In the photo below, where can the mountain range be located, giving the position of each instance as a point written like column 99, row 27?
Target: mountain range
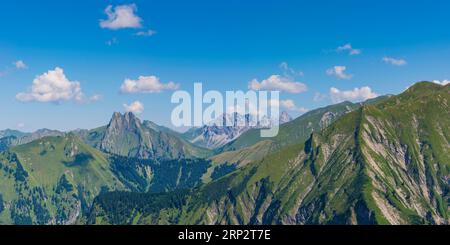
column 10, row 138
column 382, row 161
column 229, row 127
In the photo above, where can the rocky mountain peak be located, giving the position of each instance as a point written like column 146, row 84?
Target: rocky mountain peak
column 124, row 121
column 229, row 126
column 130, row 116
column 126, row 135
column 285, row 117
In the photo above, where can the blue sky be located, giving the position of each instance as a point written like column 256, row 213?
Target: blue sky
column 383, row 46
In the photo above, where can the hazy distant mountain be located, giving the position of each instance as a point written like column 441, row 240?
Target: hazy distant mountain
column 381, row 163
column 229, row 127
column 10, row 132
column 9, row 138
column 285, row 117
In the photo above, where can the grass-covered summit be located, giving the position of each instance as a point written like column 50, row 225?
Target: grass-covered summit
column 52, row 180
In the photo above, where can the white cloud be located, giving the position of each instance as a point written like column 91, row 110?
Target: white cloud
column 394, row 61
column 278, row 83
column 135, row 107
column 21, row 125
column 147, row 33
column 357, row 94
column 20, row 65
column 123, row 16
column 339, row 72
column 52, row 86
column 443, row 82
column 348, row 48
column 319, row 97
column 290, row 105
column 147, row 84
column 95, row 97
column 288, row 71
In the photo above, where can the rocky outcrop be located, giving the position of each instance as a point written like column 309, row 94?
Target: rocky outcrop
column 125, row 135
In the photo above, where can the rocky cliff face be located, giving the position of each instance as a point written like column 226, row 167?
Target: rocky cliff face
column 125, row 135
column 381, row 164
column 285, row 117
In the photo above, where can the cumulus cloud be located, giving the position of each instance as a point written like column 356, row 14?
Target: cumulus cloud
column 278, row 83
column 290, row 105
column 319, row 97
column 339, row 72
column 20, row 65
column 147, row 33
column 147, row 84
column 357, row 94
column 122, row 16
column 348, row 48
column 288, row 71
column 394, row 61
column 52, row 86
column 135, row 107
column 443, row 82
column 95, row 97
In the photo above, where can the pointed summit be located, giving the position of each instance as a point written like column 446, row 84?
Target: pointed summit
column 285, row 117
column 130, row 116
column 126, row 135
column 125, row 121
column 122, row 135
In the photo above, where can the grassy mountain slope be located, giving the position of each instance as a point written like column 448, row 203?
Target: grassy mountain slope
column 250, row 146
column 52, row 180
column 55, row 179
column 386, row 163
column 231, row 160
column 10, row 138
column 295, row 131
column 145, row 175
